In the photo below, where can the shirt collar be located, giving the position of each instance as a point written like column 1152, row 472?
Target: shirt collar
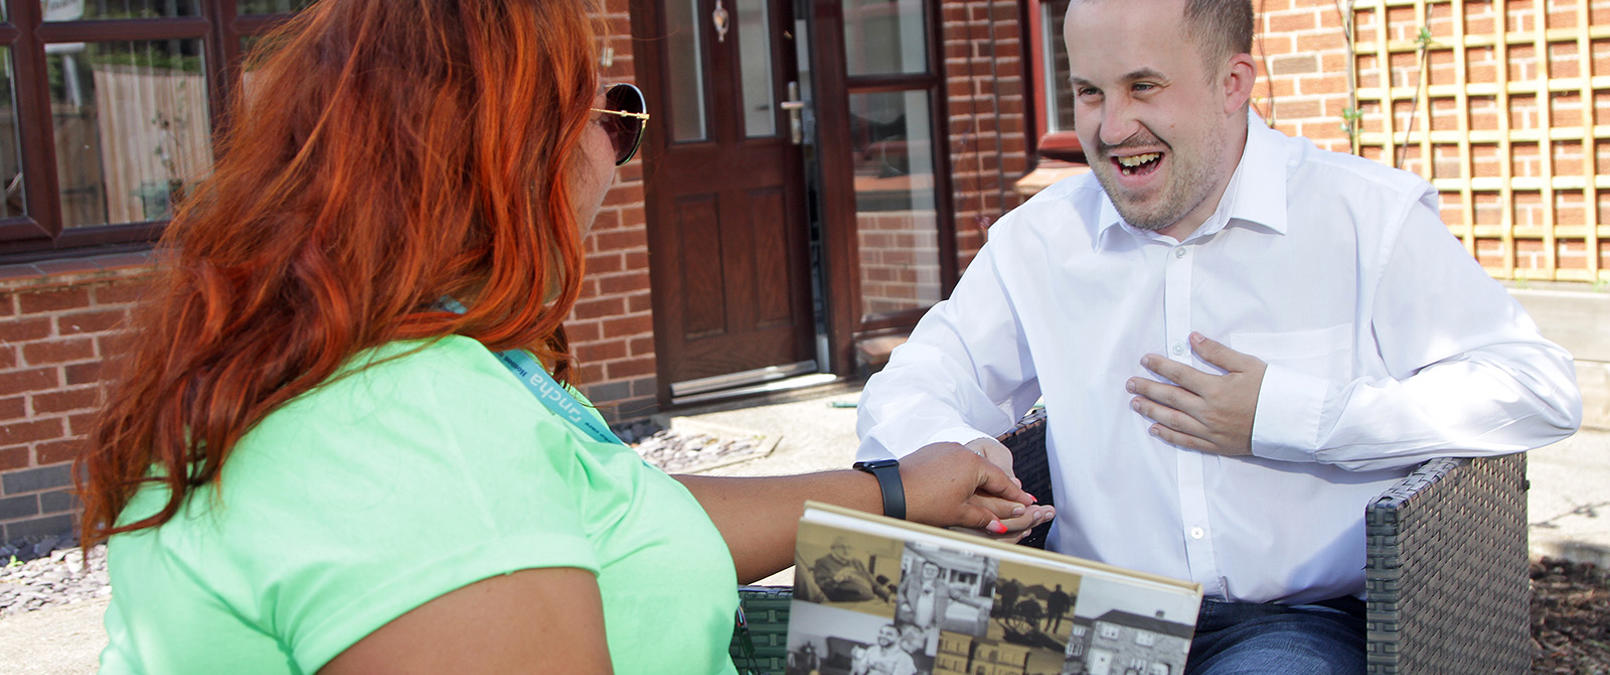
column 1255, row 196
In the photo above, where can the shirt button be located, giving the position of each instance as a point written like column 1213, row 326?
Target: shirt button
column 1179, row 252
column 1198, row 533
column 1179, row 349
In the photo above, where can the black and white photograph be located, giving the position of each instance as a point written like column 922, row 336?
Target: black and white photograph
column 945, row 591
column 1033, row 610
column 828, row 640
column 847, row 570
column 1123, row 629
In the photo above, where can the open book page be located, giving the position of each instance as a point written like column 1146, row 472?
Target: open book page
column 874, row 595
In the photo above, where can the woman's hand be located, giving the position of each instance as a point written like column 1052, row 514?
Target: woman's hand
column 949, row 485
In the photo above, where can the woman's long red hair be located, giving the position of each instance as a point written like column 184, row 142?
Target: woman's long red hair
column 389, row 152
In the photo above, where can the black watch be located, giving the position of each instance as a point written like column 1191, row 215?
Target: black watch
column 887, row 471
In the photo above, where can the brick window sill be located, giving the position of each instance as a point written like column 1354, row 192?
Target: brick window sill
column 75, row 271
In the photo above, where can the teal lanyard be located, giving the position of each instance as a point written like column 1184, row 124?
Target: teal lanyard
column 542, row 385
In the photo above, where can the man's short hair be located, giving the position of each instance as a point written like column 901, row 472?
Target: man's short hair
column 1219, row 28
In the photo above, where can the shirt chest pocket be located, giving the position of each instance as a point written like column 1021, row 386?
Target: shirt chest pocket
column 1321, row 352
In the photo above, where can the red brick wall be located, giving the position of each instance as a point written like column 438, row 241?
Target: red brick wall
column 618, row 371
column 986, row 100
column 898, row 264
column 55, row 329
column 1302, row 69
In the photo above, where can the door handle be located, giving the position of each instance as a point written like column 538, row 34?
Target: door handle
column 796, row 110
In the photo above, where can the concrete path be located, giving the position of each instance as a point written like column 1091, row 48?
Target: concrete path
column 1569, row 511
column 1569, row 503
column 60, row 640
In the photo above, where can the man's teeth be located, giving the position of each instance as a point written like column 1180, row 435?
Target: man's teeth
column 1136, row 160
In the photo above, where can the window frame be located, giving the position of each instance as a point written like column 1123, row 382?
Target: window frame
column 40, row 233
column 1046, row 144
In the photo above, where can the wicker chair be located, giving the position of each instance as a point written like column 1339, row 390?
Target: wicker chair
column 1445, row 570
column 1445, row 573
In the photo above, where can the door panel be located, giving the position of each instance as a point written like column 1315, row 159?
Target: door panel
column 727, row 229
column 770, row 248
column 699, row 229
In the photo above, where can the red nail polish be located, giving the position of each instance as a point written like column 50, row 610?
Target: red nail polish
column 997, row 527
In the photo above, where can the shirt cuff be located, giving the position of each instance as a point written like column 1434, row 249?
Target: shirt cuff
column 954, row 435
column 1286, row 423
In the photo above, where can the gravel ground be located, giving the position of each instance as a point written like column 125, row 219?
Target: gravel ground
column 1570, row 617
column 60, row 578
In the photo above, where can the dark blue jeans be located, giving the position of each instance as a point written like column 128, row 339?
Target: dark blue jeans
column 1243, row 637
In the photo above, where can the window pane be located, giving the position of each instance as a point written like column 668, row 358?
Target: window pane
column 270, row 6
column 131, row 124
column 10, row 157
column 685, row 83
column 754, row 59
column 897, row 222
column 73, row 10
column 885, row 37
column 1054, row 59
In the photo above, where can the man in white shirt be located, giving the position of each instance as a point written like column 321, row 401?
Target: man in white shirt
column 886, row 657
column 1239, row 340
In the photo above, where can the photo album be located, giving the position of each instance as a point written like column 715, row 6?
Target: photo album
column 875, row 595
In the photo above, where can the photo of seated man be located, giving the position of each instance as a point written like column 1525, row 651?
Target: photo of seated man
column 844, row 578
column 847, row 570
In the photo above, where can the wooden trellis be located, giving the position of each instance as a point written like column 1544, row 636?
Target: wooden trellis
column 1504, row 105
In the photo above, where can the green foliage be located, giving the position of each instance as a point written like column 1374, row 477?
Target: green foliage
column 1350, row 122
column 1423, row 40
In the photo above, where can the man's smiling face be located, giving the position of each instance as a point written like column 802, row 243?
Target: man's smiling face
column 1153, row 120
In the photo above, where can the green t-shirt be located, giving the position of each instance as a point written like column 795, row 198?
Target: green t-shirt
column 376, row 492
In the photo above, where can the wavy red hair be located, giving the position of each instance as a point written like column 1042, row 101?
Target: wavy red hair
column 389, row 152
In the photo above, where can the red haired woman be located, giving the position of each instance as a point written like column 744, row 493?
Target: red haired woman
column 321, row 457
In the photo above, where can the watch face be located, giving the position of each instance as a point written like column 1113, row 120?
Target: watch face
column 870, row 464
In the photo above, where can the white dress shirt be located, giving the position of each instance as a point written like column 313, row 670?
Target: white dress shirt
column 1387, row 345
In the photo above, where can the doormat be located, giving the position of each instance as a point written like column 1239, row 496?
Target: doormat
column 691, row 446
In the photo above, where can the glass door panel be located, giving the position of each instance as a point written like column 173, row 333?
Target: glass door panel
column 885, row 37
column 684, row 56
column 897, row 219
column 754, row 63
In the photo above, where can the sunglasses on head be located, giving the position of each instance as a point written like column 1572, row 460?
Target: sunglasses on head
column 624, row 120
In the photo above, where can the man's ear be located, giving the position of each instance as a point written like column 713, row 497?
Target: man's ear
column 1239, row 76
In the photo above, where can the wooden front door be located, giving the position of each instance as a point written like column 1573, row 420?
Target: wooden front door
column 727, row 224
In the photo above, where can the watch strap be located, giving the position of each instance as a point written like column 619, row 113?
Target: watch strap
column 887, row 471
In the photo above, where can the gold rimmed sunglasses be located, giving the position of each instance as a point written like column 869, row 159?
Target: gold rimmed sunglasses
column 624, row 105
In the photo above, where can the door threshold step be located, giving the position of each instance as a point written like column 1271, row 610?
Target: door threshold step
column 785, row 384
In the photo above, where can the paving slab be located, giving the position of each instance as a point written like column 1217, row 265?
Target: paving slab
column 1569, row 503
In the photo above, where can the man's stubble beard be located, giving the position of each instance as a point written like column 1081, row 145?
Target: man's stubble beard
column 1191, row 181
